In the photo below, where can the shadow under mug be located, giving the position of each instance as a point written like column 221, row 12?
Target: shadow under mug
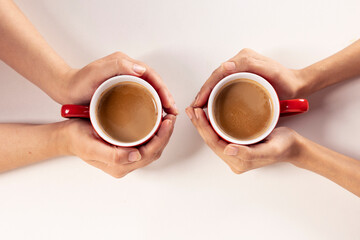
column 280, row 107
column 90, row 111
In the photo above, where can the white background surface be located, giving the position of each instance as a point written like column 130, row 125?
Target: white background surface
column 188, row 193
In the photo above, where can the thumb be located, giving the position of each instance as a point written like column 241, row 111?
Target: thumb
column 247, row 64
column 107, row 67
column 113, row 155
column 236, row 150
column 256, row 151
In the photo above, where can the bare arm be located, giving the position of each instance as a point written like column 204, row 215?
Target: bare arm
column 341, row 66
column 283, row 145
column 23, row 48
column 26, row 51
column 289, row 83
column 343, row 170
column 23, row 144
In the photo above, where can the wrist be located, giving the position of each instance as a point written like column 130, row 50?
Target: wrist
column 305, row 79
column 62, row 91
column 301, row 146
column 61, row 138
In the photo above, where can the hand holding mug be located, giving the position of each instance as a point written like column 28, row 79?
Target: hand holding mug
column 243, row 109
column 288, row 83
column 79, row 85
column 80, row 139
column 125, row 112
column 83, row 141
column 283, row 144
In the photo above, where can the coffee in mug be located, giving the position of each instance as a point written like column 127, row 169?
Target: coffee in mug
column 243, row 109
column 127, row 112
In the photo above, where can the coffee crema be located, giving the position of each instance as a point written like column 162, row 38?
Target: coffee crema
column 127, row 112
column 243, row 109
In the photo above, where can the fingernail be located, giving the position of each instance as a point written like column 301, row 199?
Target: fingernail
column 196, row 100
column 134, row 156
column 231, row 150
column 197, row 113
column 168, row 122
column 139, row 69
column 229, row 66
column 176, row 109
column 188, row 113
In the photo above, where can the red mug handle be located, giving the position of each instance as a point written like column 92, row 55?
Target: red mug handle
column 78, row 111
column 293, row 107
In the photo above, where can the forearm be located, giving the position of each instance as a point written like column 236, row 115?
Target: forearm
column 343, row 170
column 26, row 51
column 339, row 67
column 24, row 144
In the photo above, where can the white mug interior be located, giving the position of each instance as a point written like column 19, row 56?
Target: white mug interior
column 262, row 82
column 107, row 85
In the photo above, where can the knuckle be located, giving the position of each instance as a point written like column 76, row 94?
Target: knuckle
column 123, row 63
column 236, row 171
column 276, row 150
column 156, row 155
column 92, row 67
column 243, row 165
column 115, row 159
column 118, row 54
column 119, row 174
column 276, row 73
column 246, row 51
column 116, row 156
column 246, row 60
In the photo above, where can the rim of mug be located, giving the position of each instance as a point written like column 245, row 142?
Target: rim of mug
column 263, row 82
column 107, row 85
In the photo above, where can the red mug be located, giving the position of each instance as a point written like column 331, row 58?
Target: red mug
column 80, row 111
column 280, row 108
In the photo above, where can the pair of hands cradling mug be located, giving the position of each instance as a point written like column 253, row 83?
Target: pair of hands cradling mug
column 83, row 140
column 281, row 144
column 212, row 134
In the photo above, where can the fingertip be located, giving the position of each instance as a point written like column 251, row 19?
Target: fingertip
column 195, row 102
column 167, row 122
column 202, row 97
column 176, row 110
column 167, row 126
column 173, row 110
column 171, row 117
column 170, row 124
column 170, row 111
column 199, row 113
column 189, row 113
column 167, row 101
